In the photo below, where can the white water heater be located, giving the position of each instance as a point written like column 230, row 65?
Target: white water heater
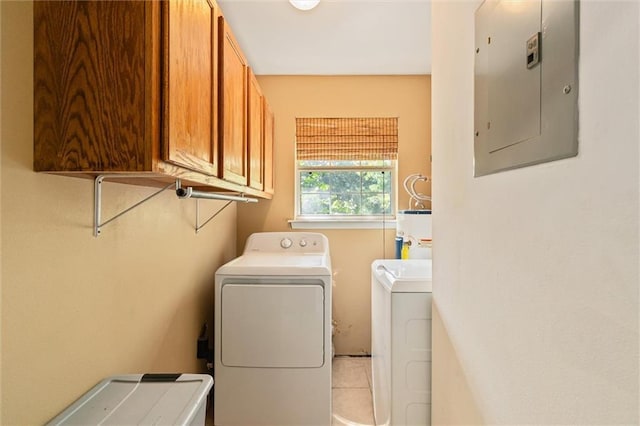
column 413, row 234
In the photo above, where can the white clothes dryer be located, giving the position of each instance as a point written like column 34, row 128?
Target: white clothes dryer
column 272, row 343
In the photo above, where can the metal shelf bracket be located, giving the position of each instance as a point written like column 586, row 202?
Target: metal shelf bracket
column 97, row 199
column 199, row 225
column 189, row 192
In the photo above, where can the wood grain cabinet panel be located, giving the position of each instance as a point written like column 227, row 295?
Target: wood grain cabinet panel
column 233, row 107
column 269, row 140
column 136, row 86
column 255, row 135
column 91, row 100
column 190, row 85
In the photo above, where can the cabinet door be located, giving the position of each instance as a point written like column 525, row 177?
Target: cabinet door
column 268, row 135
column 91, row 97
column 255, row 135
column 233, row 108
column 190, row 85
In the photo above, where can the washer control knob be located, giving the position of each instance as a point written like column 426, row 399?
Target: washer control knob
column 286, row 243
column 303, row 243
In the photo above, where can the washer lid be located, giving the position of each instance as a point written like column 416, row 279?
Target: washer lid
column 278, row 264
column 403, row 276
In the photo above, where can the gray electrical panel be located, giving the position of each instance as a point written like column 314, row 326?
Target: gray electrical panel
column 526, row 83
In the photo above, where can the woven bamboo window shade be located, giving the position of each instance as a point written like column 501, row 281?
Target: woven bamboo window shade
column 347, row 138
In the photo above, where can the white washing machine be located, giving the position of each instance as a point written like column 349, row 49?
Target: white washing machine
column 272, row 340
column 401, row 341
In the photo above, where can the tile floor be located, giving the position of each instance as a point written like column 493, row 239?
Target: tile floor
column 352, row 401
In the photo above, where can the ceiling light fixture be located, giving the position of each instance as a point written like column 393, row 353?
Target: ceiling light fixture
column 304, row 4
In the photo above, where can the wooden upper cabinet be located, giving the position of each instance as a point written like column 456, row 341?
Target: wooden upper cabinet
column 268, row 138
column 190, row 81
column 233, row 108
column 157, row 88
column 255, row 132
column 92, row 105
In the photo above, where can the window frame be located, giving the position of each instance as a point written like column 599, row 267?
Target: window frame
column 346, row 220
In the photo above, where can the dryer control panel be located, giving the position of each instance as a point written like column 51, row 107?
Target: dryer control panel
column 287, row 242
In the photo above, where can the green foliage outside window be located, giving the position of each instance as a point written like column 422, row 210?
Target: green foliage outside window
column 345, row 188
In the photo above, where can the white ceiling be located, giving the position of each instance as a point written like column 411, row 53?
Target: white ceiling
column 338, row 37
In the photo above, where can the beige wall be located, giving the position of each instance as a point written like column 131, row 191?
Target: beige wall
column 352, row 251
column 75, row 308
column 1, row 66
column 536, row 278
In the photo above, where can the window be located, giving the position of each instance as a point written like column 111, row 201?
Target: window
column 345, row 188
column 345, row 168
